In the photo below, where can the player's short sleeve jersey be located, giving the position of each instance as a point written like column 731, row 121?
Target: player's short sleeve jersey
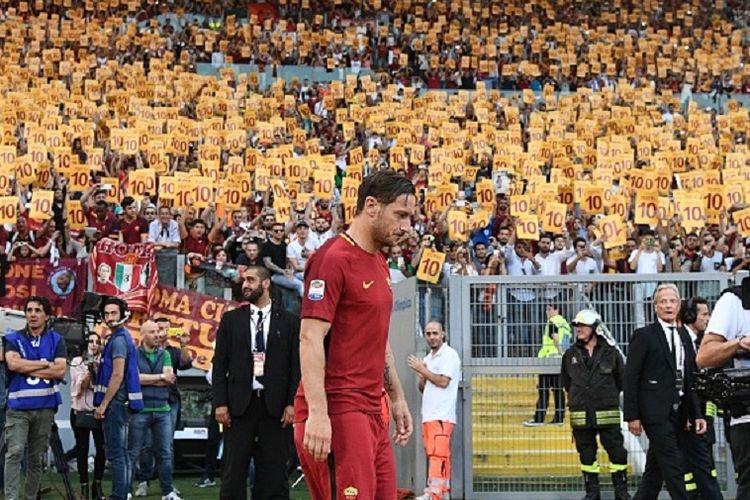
column 351, row 289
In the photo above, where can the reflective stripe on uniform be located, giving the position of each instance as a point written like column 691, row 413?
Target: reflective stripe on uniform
column 617, row 467
column 607, row 417
column 33, row 393
column 134, row 396
column 689, row 482
column 591, row 469
column 710, row 409
column 578, row 418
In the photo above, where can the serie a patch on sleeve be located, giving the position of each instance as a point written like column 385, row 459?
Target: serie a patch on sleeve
column 317, row 290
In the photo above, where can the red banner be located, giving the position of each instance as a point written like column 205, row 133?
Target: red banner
column 63, row 284
column 125, row 271
column 196, row 314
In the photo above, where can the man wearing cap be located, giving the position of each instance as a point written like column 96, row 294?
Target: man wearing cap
column 300, row 249
column 592, row 374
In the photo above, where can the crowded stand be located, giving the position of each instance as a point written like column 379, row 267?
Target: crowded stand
column 108, row 116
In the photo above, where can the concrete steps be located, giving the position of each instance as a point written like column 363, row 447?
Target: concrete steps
column 503, row 447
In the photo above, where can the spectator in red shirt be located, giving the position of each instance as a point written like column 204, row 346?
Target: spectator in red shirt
column 103, row 220
column 132, row 228
column 196, row 245
column 22, row 232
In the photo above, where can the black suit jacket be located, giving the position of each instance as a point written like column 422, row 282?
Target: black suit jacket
column 232, row 366
column 650, row 392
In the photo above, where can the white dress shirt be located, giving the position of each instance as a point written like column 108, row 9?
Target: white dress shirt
column 674, row 343
column 266, row 311
column 163, row 233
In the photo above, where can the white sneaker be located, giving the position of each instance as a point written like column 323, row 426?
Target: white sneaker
column 532, row 423
column 142, row 489
column 172, row 496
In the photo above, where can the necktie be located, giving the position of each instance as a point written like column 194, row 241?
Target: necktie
column 260, row 342
column 164, row 231
column 673, row 345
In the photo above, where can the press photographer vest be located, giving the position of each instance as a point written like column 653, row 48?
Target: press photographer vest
column 106, row 367
column 33, row 393
column 153, row 396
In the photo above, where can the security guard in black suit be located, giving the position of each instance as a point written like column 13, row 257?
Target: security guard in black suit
column 592, row 374
column 658, row 398
column 700, row 481
column 255, row 377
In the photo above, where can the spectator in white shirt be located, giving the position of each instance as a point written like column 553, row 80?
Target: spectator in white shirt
column 647, row 259
column 322, row 230
column 582, row 262
column 164, row 231
column 709, row 260
column 299, row 250
column 550, row 262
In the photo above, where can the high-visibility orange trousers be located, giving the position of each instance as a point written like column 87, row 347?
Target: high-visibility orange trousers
column 436, row 435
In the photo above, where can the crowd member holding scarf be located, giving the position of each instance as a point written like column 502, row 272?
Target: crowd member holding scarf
column 35, row 359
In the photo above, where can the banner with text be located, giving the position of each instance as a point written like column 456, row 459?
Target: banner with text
column 62, row 283
column 125, row 271
column 196, row 314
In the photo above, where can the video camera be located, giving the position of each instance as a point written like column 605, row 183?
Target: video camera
column 728, row 388
column 76, row 330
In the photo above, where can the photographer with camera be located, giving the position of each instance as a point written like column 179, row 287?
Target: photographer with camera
column 35, row 359
column 727, row 339
column 82, row 375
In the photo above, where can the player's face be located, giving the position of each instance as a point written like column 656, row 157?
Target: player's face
column 394, row 220
column 667, row 305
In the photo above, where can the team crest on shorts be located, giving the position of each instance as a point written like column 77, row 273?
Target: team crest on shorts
column 317, row 290
column 350, row 493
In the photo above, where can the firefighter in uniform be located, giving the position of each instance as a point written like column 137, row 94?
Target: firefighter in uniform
column 592, row 373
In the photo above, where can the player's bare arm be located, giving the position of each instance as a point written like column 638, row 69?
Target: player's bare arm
column 317, row 440
column 399, row 407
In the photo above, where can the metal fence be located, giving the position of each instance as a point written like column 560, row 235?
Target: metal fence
column 496, row 324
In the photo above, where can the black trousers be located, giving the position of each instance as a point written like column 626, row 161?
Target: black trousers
column 82, row 451
column 547, row 383
column 700, row 463
column 212, row 449
column 664, row 463
column 259, row 436
column 611, row 438
column 740, row 444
